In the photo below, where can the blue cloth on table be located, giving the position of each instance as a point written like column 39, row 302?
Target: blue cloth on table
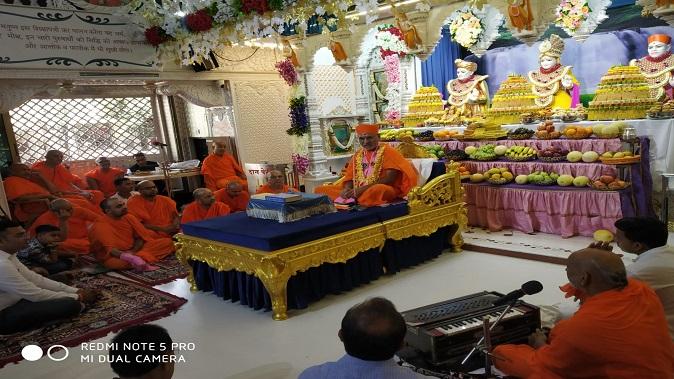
column 310, row 205
column 411, row 251
column 269, row 235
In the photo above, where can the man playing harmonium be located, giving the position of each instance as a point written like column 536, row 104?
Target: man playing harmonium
column 377, row 173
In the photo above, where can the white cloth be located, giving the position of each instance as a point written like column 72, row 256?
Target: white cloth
column 424, row 166
column 655, row 267
column 124, row 199
column 18, row 282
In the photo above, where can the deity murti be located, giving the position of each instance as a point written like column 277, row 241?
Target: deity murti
column 657, row 67
column 553, row 84
column 468, row 94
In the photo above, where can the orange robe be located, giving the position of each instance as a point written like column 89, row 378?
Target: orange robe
column 78, row 228
column 615, row 334
column 195, row 212
column 108, row 233
column 218, row 171
column 379, row 194
column 64, row 180
column 105, row 179
column 161, row 212
column 236, row 204
column 265, row 188
column 16, row 187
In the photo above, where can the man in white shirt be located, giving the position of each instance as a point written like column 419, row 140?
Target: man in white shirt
column 27, row 299
column 125, row 190
column 647, row 238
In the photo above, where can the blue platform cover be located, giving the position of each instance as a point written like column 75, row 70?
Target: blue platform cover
column 268, row 235
column 310, row 205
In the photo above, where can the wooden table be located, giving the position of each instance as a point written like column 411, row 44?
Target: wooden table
column 158, row 175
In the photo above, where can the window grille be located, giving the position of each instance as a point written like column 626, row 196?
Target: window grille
column 84, row 129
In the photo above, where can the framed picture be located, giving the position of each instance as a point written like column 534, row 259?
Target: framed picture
column 379, row 84
column 220, row 121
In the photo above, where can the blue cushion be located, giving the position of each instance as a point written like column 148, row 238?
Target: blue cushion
column 391, row 211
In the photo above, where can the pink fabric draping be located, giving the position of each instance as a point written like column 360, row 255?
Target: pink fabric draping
column 598, row 145
column 591, row 170
column 562, row 212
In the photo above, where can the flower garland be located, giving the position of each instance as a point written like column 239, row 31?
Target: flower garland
column 287, row 71
column 392, row 69
column 299, row 119
column 391, row 41
column 301, row 163
column 571, row 14
column 466, row 28
column 361, row 179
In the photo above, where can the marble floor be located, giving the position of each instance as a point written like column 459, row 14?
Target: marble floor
column 232, row 341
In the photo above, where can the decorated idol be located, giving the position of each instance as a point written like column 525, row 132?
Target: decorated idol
column 468, row 93
column 657, row 67
column 553, row 84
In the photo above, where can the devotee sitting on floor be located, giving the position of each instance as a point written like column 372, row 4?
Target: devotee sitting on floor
column 157, row 213
column 124, row 188
column 73, row 223
column 41, row 253
column 204, row 206
column 647, row 238
column 30, row 194
column 220, row 168
column 620, row 330
column 142, row 352
column 372, row 332
column 275, row 183
column 377, row 174
column 142, row 164
column 29, row 300
column 103, row 177
column 120, row 242
column 54, row 173
column 233, row 196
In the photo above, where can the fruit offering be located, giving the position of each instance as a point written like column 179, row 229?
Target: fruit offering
column 464, row 173
column 553, row 154
column 520, row 133
column 455, row 154
column 520, row 153
column 483, row 153
column 444, row 134
column 608, row 183
column 616, row 154
column 499, row 175
column 613, row 130
column 423, row 135
column 542, row 178
column 477, row 178
column 436, row 151
column 590, row 156
column 577, row 132
column 388, row 134
column 546, row 130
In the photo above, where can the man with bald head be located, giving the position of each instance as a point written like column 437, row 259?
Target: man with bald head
column 234, row 196
column 157, row 213
column 58, row 177
column 275, row 183
column 73, row 222
column 221, row 168
column 619, row 331
column 204, row 206
column 120, row 242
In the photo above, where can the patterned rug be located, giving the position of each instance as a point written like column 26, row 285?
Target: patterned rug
column 169, row 269
column 123, row 303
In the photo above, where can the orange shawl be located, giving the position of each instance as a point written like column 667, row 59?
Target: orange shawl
column 195, row 212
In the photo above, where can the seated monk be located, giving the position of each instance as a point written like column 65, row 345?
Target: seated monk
column 377, row 174
column 120, row 242
column 204, row 206
column 619, row 331
column 220, row 168
column 156, row 212
column 30, row 194
column 234, row 196
column 54, row 173
column 73, row 223
column 103, row 177
column 275, row 184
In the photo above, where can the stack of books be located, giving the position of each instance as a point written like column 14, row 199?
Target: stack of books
column 285, row 197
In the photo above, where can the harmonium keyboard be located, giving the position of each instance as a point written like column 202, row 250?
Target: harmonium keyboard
column 444, row 333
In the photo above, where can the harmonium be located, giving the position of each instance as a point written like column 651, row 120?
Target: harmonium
column 441, row 335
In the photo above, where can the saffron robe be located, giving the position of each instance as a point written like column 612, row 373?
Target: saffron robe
column 615, row 334
column 64, row 181
column 379, row 194
column 160, row 212
column 236, row 204
column 195, row 212
column 78, row 228
column 105, row 179
column 109, row 233
column 219, row 171
column 265, row 188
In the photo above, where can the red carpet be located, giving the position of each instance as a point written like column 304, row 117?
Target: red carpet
column 169, row 269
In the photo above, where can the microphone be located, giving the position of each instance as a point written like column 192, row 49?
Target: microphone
column 529, row 288
column 157, row 143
